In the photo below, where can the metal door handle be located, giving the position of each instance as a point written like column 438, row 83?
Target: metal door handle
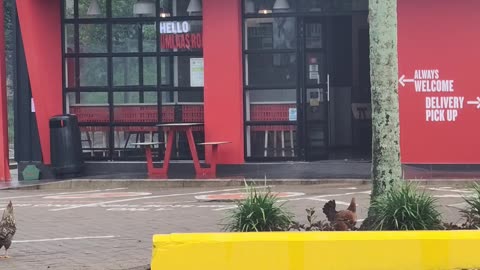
column 328, row 87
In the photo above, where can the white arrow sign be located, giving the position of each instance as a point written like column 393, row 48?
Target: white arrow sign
column 402, row 80
column 475, row 102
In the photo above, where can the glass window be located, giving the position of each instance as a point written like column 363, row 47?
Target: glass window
column 165, row 70
column 150, row 97
column 89, row 107
column 69, row 38
column 188, row 71
column 270, row 33
column 125, row 37
column 149, row 35
column 190, row 96
column 271, row 141
column 169, row 8
column 87, row 98
column 132, row 107
column 150, row 71
column 93, row 71
column 125, row 62
column 168, row 97
column 68, row 9
column 93, row 38
column 271, row 69
column 133, row 8
column 125, row 71
column 269, row 6
column 70, row 74
column 271, row 105
column 92, row 8
column 126, row 136
column 314, row 35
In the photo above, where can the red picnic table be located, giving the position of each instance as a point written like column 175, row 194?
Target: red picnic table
column 172, row 129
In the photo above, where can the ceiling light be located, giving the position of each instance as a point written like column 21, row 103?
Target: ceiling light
column 164, row 13
column 94, row 9
column 144, row 7
column 264, row 8
column 264, row 11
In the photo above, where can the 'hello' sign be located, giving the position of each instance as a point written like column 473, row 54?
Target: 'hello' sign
column 174, row 27
column 177, row 35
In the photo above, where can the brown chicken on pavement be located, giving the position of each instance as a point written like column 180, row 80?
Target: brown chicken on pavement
column 7, row 229
column 343, row 220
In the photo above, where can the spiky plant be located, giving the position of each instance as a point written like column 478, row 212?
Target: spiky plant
column 472, row 212
column 404, row 207
column 259, row 212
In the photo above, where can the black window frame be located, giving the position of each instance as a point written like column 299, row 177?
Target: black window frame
column 300, row 15
column 110, row 89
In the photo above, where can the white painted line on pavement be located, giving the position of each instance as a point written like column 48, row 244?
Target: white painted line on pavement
column 111, row 189
column 458, row 205
column 64, row 239
column 145, row 198
column 342, row 194
column 326, row 200
column 98, row 195
column 61, row 193
column 452, row 196
column 225, row 208
column 451, row 190
column 348, row 188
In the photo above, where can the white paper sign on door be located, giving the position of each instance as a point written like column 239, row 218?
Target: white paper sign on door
column 196, row 72
column 292, row 114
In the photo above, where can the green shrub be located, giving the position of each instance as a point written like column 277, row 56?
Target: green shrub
column 405, row 208
column 472, row 212
column 259, row 212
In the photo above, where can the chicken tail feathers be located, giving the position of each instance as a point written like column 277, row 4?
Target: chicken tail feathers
column 329, row 210
column 353, row 206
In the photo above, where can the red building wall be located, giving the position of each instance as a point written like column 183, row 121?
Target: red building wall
column 40, row 25
column 439, row 49
column 223, row 94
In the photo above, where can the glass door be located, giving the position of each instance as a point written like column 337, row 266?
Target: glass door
column 314, row 88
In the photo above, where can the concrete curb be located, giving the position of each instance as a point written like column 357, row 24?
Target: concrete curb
column 213, row 183
column 180, row 183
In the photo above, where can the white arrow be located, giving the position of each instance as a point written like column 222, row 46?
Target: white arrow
column 475, row 102
column 402, row 80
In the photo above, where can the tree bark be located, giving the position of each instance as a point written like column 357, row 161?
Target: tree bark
column 386, row 166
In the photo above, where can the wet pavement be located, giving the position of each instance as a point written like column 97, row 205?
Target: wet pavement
column 113, row 228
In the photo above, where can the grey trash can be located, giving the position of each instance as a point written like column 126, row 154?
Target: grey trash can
column 66, row 145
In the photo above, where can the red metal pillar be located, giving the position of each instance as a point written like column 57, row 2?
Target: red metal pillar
column 223, row 95
column 4, row 149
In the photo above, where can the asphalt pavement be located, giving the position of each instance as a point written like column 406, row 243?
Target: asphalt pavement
column 113, row 228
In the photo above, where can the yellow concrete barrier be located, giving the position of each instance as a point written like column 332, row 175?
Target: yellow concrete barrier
column 318, row 250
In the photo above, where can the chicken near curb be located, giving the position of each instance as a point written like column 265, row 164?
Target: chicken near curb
column 343, row 220
column 7, row 229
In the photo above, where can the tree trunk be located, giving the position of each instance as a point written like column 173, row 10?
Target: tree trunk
column 386, row 166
